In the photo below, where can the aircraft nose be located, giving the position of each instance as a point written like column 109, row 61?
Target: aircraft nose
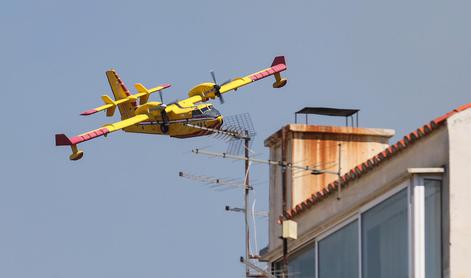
column 218, row 122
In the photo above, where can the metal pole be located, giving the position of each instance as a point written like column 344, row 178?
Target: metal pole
column 246, row 205
column 313, row 170
column 339, row 173
column 249, row 264
column 284, row 145
column 285, row 240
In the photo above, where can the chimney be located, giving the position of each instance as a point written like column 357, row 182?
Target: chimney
column 317, row 146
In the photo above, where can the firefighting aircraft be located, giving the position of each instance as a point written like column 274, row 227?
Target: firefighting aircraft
column 169, row 119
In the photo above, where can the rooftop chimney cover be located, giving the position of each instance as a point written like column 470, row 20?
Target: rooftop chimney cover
column 328, row 111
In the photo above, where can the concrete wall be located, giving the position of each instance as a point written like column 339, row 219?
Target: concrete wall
column 459, row 126
column 429, row 152
column 449, row 147
column 315, row 146
column 319, row 146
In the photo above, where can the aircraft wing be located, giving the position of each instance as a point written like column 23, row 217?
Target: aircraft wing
column 63, row 140
column 277, row 66
column 205, row 91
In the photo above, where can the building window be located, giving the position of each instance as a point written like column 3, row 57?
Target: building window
column 433, row 235
column 384, row 238
column 277, row 268
column 338, row 253
column 398, row 235
column 302, row 264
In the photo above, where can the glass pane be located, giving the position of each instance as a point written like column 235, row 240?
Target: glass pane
column 302, row 264
column 384, row 239
column 433, row 235
column 338, row 253
column 277, row 267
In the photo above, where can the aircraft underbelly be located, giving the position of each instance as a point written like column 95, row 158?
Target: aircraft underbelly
column 147, row 129
column 177, row 130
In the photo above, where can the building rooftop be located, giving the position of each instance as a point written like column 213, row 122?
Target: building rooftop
column 371, row 163
column 320, row 129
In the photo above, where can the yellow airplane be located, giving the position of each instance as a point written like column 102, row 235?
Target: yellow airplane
column 169, row 119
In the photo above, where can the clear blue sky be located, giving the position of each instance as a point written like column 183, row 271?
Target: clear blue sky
column 122, row 211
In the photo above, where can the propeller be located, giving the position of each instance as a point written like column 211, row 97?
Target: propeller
column 217, row 87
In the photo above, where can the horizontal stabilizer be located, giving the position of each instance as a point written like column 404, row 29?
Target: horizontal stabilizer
column 143, row 93
column 142, row 89
column 89, row 112
column 110, row 107
column 161, row 87
column 110, row 104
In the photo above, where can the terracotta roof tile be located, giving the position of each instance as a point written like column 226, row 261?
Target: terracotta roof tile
column 364, row 167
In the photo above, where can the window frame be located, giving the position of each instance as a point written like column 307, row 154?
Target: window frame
column 415, row 214
column 357, row 215
column 418, row 255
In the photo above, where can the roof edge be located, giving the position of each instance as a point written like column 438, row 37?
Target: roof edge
column 371, row 163
column 303, row 128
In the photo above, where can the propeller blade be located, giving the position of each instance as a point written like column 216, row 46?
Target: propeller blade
column 213, row 75
column 217, row 87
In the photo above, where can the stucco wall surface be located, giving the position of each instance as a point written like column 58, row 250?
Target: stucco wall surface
column 459, row 126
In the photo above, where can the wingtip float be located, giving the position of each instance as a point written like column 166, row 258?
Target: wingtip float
column 166, row 119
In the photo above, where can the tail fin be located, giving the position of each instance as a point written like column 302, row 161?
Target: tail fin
column 120, row 91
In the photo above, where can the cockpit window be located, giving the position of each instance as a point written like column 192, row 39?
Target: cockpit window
column 196, row 112
column 206, row 111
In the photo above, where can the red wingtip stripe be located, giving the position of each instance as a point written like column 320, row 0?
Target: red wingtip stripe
column 63, row 140
column 88, row 112
column 268, row 72
column 89, row 135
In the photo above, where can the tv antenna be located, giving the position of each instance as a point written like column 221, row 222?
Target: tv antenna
column 238, row 131
column 284, row 165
